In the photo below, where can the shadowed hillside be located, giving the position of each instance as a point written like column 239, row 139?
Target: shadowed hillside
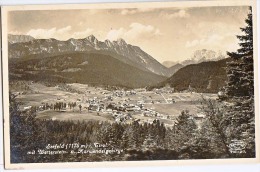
column 85, row 68
column 203, row 77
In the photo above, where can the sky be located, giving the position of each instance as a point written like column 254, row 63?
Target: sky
column 167, row 34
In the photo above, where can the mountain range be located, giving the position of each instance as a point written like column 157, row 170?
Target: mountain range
column 19, row 38
column 127, row 53
column 114, row 63
column 203, row 56
column 198, row 56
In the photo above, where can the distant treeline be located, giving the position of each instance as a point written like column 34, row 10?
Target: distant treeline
column 57, row 106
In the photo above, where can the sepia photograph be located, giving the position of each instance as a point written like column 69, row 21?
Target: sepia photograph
column 119, row 82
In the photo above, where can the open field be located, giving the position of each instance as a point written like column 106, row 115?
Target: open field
column 74, row 116
column 130, row 105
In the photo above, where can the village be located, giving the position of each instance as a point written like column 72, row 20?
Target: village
column 79, row 101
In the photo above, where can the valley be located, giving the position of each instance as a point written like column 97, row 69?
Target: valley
column 99, row 104
column 90, row 80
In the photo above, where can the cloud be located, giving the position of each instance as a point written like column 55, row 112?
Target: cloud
column 50, row 33
column 210, row 40
column 136, row 31
column 116, row 33
column 192, row 43
column 135, row 10
column 64, row 30
column 215, row 35
column 82, row 34
column 61, row 34
column 180, row 14
column 15, row 32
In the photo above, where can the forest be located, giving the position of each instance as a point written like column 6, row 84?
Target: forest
column 137, row 141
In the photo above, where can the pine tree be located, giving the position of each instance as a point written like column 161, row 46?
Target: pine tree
column 133, row 136
column 240, row 88
column 240, row 70
column 184, row 130
column 149, row 142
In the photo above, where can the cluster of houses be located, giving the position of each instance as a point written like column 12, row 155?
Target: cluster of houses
column 122, row 111
column 122, row 93
column 164, row 90
column 155, row 114
column 118, row 104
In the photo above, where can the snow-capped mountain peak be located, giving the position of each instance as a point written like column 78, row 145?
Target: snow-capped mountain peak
column 203, row 56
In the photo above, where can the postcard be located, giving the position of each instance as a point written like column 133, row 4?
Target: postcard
column 130, row 84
